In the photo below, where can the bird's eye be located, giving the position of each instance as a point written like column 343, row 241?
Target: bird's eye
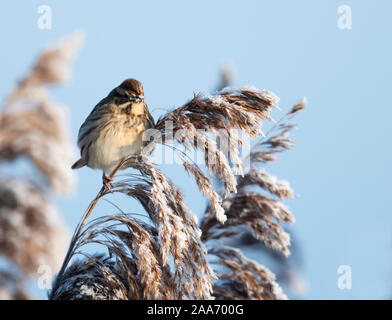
column 124, row 99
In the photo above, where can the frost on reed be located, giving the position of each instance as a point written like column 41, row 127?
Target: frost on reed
column 260, row 213
column 164, row 255
column 95, row 278
column 137, row 271
column 34, row 128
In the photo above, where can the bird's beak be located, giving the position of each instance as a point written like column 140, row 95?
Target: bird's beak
column 139, row 98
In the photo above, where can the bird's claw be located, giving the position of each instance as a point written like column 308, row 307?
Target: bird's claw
column 107, row 182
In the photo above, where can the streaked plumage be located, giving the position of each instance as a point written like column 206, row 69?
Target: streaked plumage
column 114, row 129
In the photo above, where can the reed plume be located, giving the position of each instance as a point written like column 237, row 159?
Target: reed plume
column 253, row 213
column 246, row 279
column 225, row 112
column 171, row 231
column 34, row 127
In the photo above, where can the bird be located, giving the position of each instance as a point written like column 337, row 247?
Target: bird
column 114, row 129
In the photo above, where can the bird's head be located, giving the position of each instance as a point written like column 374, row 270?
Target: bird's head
column 130, row 90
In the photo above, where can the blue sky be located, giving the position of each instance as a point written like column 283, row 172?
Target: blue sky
column 340, row 167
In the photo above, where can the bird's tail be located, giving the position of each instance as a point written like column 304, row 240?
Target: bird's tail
column 78, row 164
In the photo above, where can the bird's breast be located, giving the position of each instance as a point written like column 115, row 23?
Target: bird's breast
column 123, row 131
column 120, row 137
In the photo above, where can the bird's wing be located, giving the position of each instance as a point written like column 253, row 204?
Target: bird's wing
column 89, row 130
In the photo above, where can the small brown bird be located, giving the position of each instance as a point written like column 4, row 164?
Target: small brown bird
column 113, row 130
